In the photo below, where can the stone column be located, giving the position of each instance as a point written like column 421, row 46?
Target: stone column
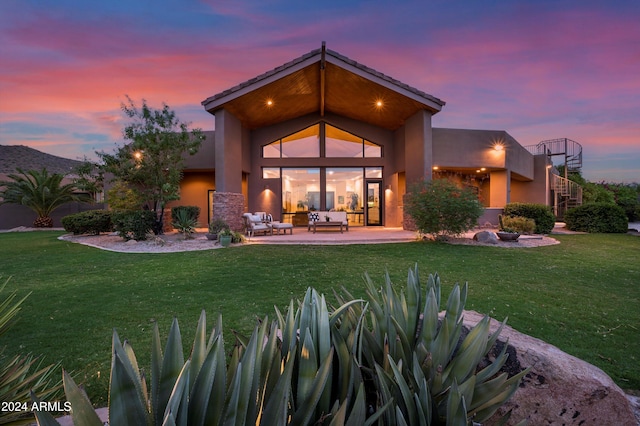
column 229, row 207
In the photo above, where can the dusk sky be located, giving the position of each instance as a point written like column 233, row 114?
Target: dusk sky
column 539, row 69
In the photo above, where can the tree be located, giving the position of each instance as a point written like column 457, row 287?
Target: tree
column 89, row 177
column 152, row 162
column 41, row 192
column 441, row 208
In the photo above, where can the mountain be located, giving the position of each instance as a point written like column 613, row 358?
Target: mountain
column 13, row 157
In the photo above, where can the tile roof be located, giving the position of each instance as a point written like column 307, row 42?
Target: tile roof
column 339, row 57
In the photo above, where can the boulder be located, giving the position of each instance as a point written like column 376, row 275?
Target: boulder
column 560, row 389
column 486, row 237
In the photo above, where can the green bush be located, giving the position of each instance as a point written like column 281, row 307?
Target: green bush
column 522, row 225
column 597, row 218
column 122, row 197
column 217, row 225
column 91, row 222
column 441, row 208
column 388, row 360
column 134, row 225
column 191, row 211
column 541, row 214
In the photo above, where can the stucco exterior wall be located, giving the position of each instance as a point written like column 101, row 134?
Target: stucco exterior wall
column 460, row 148
column 535, row 191
column 228, row 152
column 418, row 145
column 194, row 191
column 205, row 158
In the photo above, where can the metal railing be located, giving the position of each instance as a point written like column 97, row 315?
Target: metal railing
column 568, row 194
column 571, row 149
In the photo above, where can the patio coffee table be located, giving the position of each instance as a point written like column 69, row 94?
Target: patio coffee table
column 330, row 224
column 284, row 226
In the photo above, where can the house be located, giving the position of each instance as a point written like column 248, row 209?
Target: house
column 326, row 132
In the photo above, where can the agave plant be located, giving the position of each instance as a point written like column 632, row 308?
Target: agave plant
column 185, row 223
column 389, row 360
column 420, row 362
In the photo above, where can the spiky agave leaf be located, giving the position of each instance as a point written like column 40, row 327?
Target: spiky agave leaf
column 305, row 412
column 127, row 402
column 209, row 387
column 167, row 367
column 275, row 411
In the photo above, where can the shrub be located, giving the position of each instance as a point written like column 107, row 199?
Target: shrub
column 597, row 218
column 217, row 225
column 134, row 225
column 191, row 211
column 388, row 360
column 89, row 222
column 122, row 197
column 441, row 208
column 522, row 225
column 542, row 215
column 237, row 237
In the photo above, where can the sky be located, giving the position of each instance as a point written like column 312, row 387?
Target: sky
column 540, row 69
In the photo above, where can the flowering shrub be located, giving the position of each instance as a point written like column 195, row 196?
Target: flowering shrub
column 442, row 208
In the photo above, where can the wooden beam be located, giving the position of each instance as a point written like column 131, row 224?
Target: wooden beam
column 322, row 77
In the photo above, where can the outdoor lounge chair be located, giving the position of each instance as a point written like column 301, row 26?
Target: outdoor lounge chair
column 253, row 223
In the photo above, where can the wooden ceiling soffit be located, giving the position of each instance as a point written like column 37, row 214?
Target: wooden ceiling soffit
column 354, row 96
column 291, row 96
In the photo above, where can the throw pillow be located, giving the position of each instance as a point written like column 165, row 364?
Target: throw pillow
column 314, row 217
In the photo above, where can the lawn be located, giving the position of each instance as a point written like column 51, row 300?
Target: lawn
column 582, row 295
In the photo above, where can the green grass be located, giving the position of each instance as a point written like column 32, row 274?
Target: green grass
column 582, row 295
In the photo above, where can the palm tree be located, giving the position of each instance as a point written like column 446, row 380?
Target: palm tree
column 41, row 192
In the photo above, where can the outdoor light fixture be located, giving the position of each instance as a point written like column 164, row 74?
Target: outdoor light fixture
column 435, row 167
column 269, row 102
column 498, row 146
column 138, row 155
column 266, row 186
column 388, row 188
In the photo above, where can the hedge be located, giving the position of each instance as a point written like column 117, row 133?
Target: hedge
column 597, row 218
column 541, row 214
column 88, row 222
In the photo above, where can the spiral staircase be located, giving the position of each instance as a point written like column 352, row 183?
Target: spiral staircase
column 565, row 193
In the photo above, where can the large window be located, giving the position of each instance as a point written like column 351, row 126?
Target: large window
column 305, row 143
column 344, row 188
column 337, row 144
column 300, row 189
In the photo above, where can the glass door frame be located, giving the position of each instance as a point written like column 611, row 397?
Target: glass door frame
column 380, row 195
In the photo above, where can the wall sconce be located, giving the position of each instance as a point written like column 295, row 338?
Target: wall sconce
column 388, row 188
column 266, row 186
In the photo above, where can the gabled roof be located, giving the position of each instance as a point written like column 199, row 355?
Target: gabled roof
column 323, row 81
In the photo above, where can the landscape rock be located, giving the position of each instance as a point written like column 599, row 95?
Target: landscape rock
column 560, row 389
column 486, row 237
